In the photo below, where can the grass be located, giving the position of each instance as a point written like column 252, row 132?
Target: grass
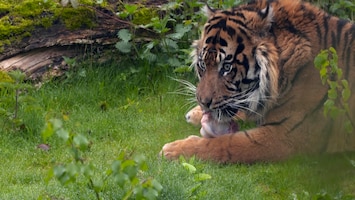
column 118, row 109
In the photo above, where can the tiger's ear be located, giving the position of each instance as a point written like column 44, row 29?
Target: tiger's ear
column 208, row 10
column 265, row 20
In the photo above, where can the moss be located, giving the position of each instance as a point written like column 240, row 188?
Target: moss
column 18, row 18
column 80, row 17
column 5, row 78
column 4, row 8
column 144, row 15
column 33, row 8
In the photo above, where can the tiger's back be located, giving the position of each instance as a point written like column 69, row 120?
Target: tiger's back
column 258, row 58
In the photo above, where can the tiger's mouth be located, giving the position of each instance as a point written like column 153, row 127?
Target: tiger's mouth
column 212, row 127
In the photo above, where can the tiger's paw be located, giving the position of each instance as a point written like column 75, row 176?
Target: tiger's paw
column 194, row 116
column 185, row 147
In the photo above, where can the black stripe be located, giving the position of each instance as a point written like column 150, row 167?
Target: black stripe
column 319, row 33
column 244, row 33
column 349, row 51
column 241, row 15
column 227, row 12
column 276, row 123
column 223, row 42
column 230, row 31
column 214, row 18
column 248, row 81
column 220, row 24
column 333, row 39
column 239, row 22
column 326, row 30
column 345, row 44
column 239, row 49
column 244, row 62
column 340, row 25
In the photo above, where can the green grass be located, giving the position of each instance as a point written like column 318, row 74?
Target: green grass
column 138, row 117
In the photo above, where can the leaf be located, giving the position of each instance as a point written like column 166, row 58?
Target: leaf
column 174, row 62
column 346, row 93
column 124, row 35
column 47, row 131
column 74, row 3
column 120, row 179
column 348, row 126
column 116, row 166
column 352, row 162
column 124, row 47
column 320, row 60
column 202, row 177
column 169, row 43
column 81, row 142
column 130, row 8
column 157, row 186
column 63, row 134
column 180, row 31
column 56, row 123
column 189, row 167
column 332, row 94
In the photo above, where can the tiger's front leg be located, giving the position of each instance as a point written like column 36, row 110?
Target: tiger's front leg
column 255, row 145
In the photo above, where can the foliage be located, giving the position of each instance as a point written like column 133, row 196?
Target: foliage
column 341, row 8
column 14, row 97
column 124, row 172
column 339, row 92
column 195, row 191
column 169, row 35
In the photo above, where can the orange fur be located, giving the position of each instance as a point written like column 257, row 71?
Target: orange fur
column 258, row 58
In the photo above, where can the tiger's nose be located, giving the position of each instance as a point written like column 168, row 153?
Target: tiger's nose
column 206, row 102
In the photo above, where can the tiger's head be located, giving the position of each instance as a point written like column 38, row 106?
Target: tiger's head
column 236, row 62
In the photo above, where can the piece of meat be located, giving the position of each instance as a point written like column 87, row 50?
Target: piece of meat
column 214, row 128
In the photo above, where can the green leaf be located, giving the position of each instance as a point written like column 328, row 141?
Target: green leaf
column 332, row 94
column 202, row 177
column 348, row 126
column 189, row 167
column 130, row 8
column 17, row 75
column 98, row 185
column 124, row 35
column 346, row 93
column 63, row 134
column 116, row 166
column 320, row 60
column 81, row 142
column 174, row 62
column 74, row 3
column 47, row 131
column 180, row 31
column 352, row 162
column 56, row 123
column 124, row 47
column 157, row 185
column 121, row 179
column 169, row 43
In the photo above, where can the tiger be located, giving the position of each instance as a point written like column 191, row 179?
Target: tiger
column 258, row 59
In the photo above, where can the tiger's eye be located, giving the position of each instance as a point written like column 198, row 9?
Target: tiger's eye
column 201, row 65
column 227, row 67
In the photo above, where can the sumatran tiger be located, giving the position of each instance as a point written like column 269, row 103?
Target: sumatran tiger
column 257, row 60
